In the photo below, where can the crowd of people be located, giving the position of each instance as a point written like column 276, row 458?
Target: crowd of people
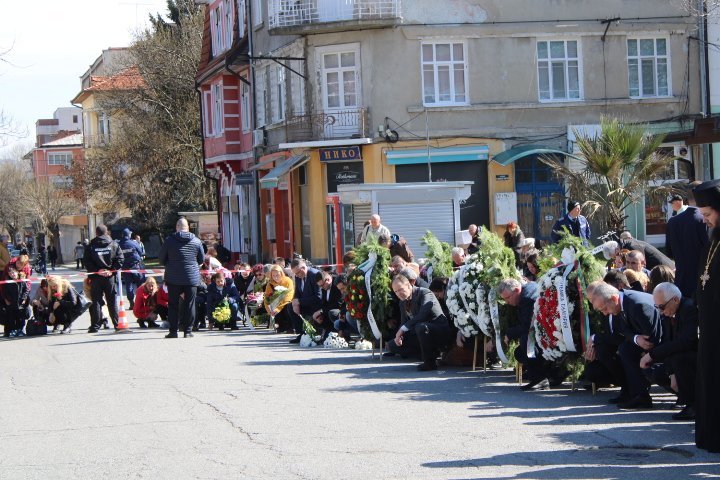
column 652, row 304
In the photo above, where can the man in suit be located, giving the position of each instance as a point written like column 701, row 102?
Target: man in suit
column 675, row 358
column 685, row 238
column 603, row 363
column 575, row 223
column 307, row 295
column 653, row 256
column 331, row 303
column 415, row 279
column 541, row 373
column 423, row 326
column 641, row 325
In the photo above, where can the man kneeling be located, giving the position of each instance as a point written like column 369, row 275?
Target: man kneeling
column 424, row 328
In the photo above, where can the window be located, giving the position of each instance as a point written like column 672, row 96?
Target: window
column 207, row 113
column 103, row 127
column 229, row 17
column 216, row 30
column 241, row 18
column 260, row 98
column 278, row 93
column 341, row 78
column 558, row 70
column 245, row 107
column 60, row 158
column 444, row 74
column 257, row 13
column 75, row 119
column 60, row 181
column 648, row 67
column 217, row 101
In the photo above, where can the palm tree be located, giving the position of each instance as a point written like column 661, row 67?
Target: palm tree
column 615, row 169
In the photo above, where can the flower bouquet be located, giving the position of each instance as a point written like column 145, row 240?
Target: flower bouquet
column 222, row 313
column 335, row 341
column 562, row 321
column 439, row 257
column 461, row 297
column 279, row 292
column 253, row 303
column 363, row 345
column 310, row 338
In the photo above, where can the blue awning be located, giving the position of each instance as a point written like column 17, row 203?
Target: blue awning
column 516, row 153
column 438, row 155
column 272, row 179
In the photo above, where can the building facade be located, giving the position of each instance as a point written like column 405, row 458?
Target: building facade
column 391, row 91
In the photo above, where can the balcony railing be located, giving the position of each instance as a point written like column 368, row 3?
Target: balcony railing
column 318, row 126
column 286, row 14
column 96, row 140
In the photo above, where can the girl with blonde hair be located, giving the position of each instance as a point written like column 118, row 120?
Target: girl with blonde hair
column 63, row 302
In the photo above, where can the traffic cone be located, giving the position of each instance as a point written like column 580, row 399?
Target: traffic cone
column 122, row 325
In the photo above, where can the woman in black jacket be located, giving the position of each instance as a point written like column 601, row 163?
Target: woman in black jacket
column 63, row 303
column 17, row 302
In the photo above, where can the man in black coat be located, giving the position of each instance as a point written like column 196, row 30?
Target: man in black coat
column 707, row 296
column 685, row 238
column 331, row 302
column 603, row 363
column 181, row 254
column 307, row 295
column 423, row 326
column 653, row 256
column 675, row 358
column 642, row 326
column 102, row 255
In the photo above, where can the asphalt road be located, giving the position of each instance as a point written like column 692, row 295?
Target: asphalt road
column 247, row 404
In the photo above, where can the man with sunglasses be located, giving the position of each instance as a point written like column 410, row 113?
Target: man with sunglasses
column 672, row 363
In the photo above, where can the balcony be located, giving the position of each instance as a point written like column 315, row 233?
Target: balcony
column 322, row 126
column 320, row 16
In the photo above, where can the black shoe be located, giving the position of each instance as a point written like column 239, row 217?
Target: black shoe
column 6, row 334
column 152, row 324
column 640, row 402
column 234, row 327
column 188, row 335
column 622, row 398
column 66, row 330
column 92, row 330
column 296, row 339
column 142, row 323
column 105, row 323
column 555, row 382
column 221, row 328
column 171, row 335
column 541, row 384
column 389, row 354
column 687, row 413
column 427, row 366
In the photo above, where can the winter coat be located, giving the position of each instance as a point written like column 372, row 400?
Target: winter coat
column 144, row 303
column 580, row 229
column 182, row 254
column 288, row 283
column 132, row 253
column 215, row 295
column 162, row 296
column 102, row 254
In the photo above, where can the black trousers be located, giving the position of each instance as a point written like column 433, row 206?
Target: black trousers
column 425, row 340
column 536, row 368
column 15, row 318
column 684, row 366
column 102, row 287
column 181, row 311
column 297, row 320
column 64, row 317
column 630, row 355
column 606, row 368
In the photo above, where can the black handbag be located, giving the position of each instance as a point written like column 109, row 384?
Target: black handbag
column 35, row 327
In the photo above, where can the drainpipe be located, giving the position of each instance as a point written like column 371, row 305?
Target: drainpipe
column 707, row 155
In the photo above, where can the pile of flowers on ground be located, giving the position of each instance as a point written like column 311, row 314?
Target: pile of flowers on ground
column 335, row 341
column 310, row 338
column 363, row 345
column 462, row 299
column 438, row 255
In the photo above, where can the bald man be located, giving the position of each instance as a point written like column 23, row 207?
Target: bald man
column 375, row 228
column 181, row 254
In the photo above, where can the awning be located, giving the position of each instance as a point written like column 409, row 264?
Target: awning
column 516, row 153
column 265, row 164
column 272, row 179
column 438, row 155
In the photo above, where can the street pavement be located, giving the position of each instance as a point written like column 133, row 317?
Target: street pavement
column 247, row 404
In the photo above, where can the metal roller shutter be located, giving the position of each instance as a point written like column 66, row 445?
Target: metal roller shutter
column 414, row 219
column 361, row 214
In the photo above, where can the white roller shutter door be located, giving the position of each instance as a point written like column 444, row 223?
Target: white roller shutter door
column 361, row 214
column 412, row 220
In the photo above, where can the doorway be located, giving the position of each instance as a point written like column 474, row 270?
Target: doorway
column 540, row 198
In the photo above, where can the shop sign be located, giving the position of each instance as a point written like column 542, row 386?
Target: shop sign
column 340, row 154
column 502, row 178
column 344, row 174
